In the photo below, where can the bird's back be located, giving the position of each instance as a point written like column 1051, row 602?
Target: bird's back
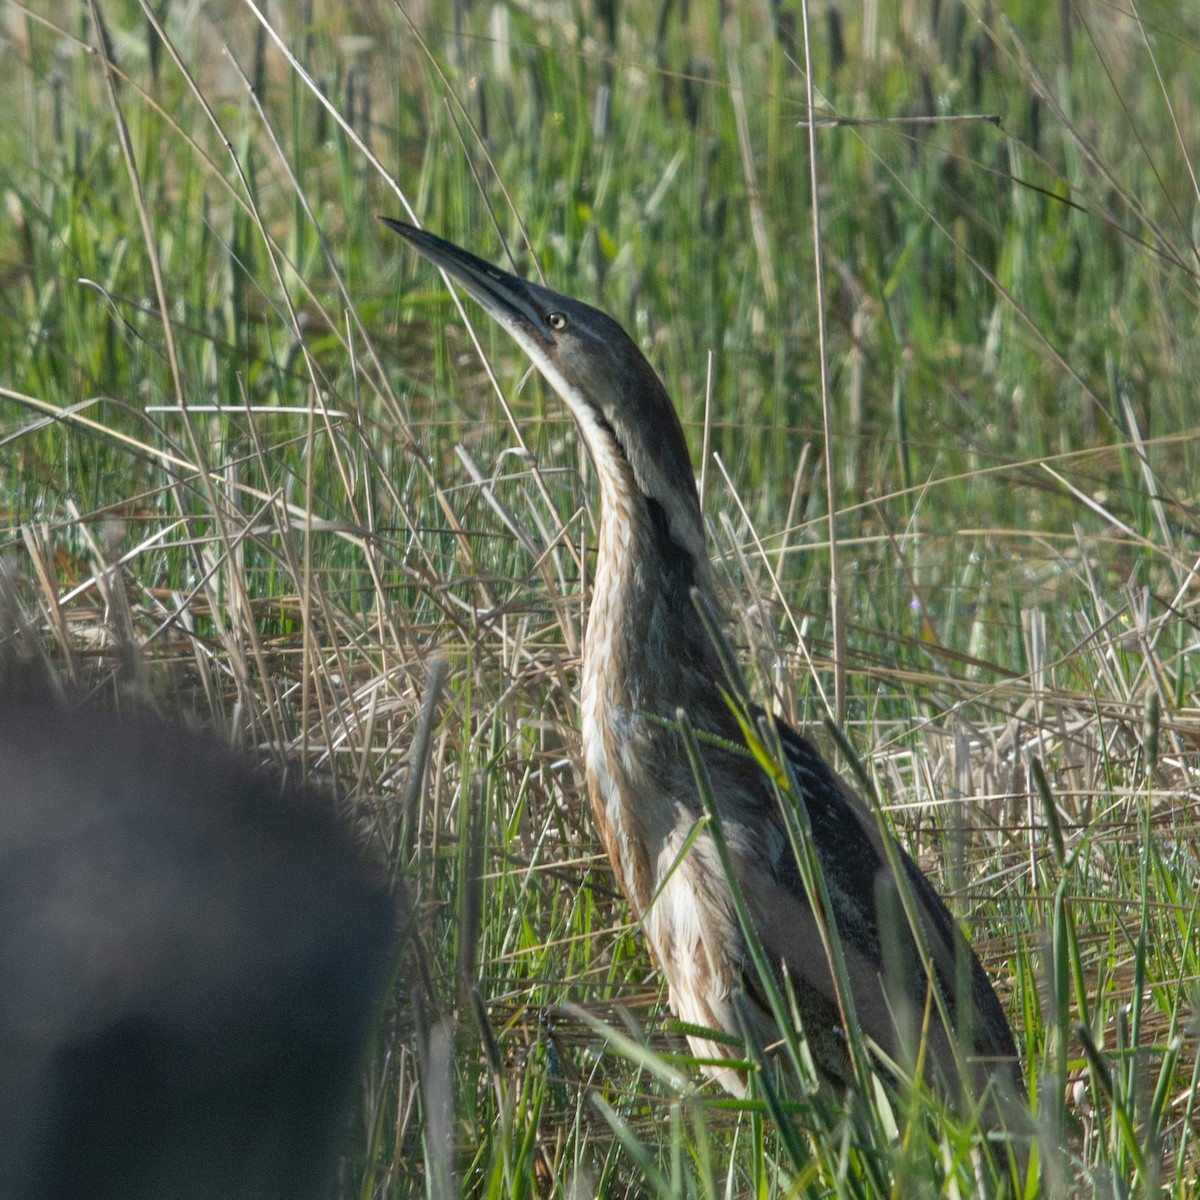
column 875, row 928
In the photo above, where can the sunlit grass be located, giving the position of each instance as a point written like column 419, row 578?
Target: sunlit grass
column 1012, row 314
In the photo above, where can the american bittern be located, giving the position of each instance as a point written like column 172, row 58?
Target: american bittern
column 190, row 958
column 647, row 655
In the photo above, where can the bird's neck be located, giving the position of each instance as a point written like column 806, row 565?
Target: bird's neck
column 646, row 650
column 646, row 654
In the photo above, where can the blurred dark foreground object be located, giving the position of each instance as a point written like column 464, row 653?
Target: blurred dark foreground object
column 190, row 959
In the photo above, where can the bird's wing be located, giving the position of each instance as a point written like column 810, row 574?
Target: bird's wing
column 885, row 973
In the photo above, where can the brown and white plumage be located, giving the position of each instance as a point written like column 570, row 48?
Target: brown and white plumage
column 647, row 654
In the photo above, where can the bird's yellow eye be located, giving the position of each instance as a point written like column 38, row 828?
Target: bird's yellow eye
column 556, row 321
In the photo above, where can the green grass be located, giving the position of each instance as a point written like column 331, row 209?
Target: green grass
column 1013, row 361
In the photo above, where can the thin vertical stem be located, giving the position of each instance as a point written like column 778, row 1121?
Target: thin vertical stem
column 835, row 595
column 707, row 444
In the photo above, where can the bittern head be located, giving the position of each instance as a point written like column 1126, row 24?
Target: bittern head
column 626, row 417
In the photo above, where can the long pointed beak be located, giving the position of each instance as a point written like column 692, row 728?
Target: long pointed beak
column 506, row 298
